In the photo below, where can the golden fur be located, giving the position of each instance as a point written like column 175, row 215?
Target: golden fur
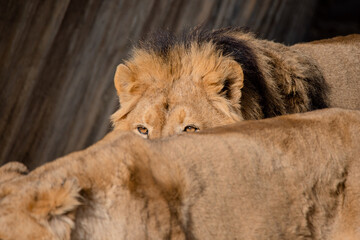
column 290, row 177
column 215, row 78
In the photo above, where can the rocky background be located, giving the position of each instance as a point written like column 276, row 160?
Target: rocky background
column 58, row 58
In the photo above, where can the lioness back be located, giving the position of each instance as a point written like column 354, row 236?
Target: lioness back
column 206, row 79
column 339, row 61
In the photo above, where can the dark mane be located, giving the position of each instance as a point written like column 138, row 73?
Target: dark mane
column 161, row 42
column 254, row 83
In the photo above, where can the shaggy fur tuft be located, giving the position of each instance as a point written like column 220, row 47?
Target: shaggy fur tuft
column 48, row 212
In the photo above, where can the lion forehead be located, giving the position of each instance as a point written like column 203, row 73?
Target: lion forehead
column 196, row 60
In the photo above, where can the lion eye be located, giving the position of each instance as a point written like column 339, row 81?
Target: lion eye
column 143, row 130
column 191, row 128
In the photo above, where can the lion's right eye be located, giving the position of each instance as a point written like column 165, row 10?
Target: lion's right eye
column 191, row 128
column 143, row 130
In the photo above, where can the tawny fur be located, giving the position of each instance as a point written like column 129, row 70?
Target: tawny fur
column 210, row 79
column 290, row 177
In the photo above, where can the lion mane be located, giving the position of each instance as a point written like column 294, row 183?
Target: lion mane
column 275, row 79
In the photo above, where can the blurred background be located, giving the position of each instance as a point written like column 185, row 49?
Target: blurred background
column 58, row 57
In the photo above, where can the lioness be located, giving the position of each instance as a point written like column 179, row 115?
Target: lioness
column 207, row 79
column 290, row 177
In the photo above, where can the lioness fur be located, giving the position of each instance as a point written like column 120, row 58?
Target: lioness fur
column 290, row 177
column 207, row 79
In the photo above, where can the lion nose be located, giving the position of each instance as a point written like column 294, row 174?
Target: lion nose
column 168, row 132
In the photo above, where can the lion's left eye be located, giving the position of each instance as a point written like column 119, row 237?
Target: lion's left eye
column 191, row 128
column 143, row 130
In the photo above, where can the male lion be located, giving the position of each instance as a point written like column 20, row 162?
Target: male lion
column 290, row 177
column 207, row 79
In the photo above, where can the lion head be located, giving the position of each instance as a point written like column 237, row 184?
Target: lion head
column 188, row 89
column 206, row 79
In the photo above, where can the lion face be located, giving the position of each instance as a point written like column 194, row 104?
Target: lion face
column 189, row 90
column 160, row 113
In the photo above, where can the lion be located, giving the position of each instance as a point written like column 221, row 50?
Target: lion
column 207, row 79
column 289, row 177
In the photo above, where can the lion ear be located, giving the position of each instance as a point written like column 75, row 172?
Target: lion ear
column 225, row 83
column 126, row 82
column 129, row 89
column 123, row 80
